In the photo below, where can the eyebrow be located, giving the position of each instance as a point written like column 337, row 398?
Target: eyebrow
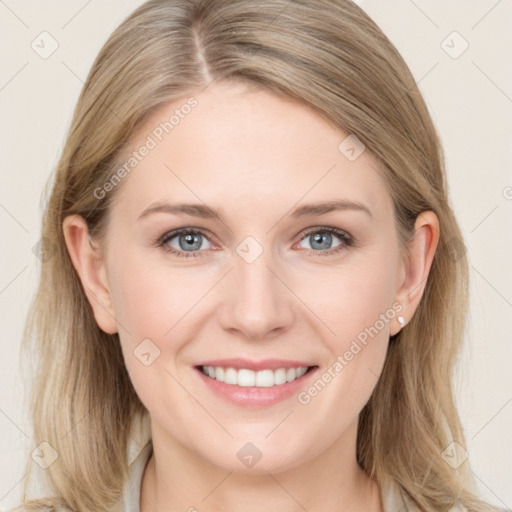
column 205, row 212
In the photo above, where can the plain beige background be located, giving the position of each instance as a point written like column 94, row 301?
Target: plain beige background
column 468, row 91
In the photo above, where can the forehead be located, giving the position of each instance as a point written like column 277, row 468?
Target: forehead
column 231, row 146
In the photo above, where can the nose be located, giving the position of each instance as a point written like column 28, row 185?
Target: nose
column 258, row 302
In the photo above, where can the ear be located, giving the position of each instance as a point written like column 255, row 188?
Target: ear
column 415, row 271
column 87, row 259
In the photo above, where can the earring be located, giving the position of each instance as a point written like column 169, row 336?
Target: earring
column 401, row 320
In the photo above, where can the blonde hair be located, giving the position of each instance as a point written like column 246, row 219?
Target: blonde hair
column 330, row 56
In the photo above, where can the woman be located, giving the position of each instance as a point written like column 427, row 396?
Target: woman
column 300, row 358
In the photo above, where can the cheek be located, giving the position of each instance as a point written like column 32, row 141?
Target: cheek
column 149, row 304
column 350, row 297
column 354, row 305
column 150, row 299
column 157, row 309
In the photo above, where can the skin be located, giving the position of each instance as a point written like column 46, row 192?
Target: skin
column 254, row 156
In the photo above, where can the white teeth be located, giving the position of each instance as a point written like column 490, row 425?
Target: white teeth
column 219, row 373
column 260, row 379
column 246, row 378
column 230, row 376
column 301, row 372
column 265, row 378
column 280, row 376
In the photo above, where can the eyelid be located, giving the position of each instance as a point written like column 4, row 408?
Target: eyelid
column 327, row 229
column 168, row 235
column 346, row 238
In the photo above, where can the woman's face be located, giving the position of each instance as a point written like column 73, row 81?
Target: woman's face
column 259, row 277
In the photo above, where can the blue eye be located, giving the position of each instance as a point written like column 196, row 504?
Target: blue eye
column 322, row 238
column 190, row 242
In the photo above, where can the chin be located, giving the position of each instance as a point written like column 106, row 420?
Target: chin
column 257, row 458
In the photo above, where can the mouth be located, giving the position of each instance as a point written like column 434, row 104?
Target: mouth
column 262, row 378
column 254, row 384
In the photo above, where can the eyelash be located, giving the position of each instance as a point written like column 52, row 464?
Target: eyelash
column 346, row 239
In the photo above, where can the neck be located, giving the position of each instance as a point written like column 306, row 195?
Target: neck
column 176, row 479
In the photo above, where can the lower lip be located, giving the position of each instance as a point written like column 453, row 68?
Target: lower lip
column 253, row 396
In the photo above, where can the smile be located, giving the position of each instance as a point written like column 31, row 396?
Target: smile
column 262, row 378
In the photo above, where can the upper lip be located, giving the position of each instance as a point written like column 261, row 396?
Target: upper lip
column 264, row 364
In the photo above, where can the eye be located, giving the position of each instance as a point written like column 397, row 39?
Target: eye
column 189, row 242
column 184, row 241
column 321, row 240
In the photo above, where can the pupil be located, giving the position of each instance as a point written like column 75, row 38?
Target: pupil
column 326, row 237
column 190, row 240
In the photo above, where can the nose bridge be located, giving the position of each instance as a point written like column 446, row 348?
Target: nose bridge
column 258, row 301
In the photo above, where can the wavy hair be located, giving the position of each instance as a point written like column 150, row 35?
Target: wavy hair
column 326, row 54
